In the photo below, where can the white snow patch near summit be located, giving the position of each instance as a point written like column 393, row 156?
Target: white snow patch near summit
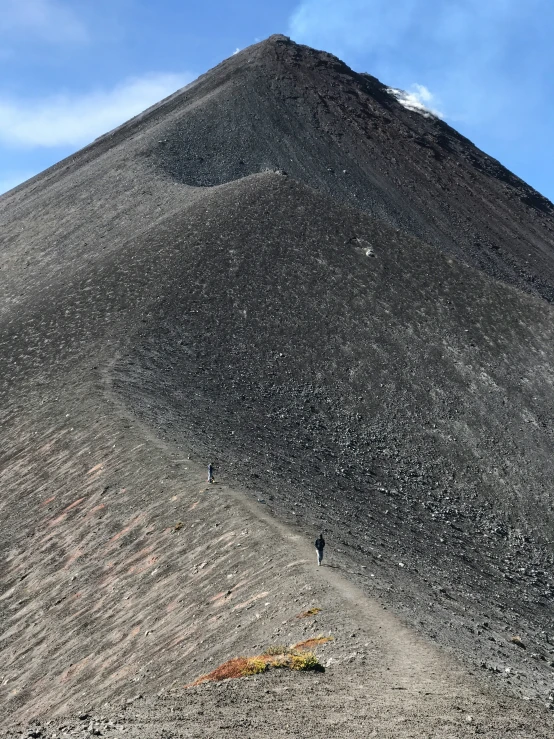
column 419, row 99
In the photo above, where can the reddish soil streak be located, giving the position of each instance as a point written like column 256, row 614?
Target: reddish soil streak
column 62, row 515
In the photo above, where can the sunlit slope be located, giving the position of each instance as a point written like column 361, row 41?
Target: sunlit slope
column 373, row 386
column 162, row 297
column 354, row 376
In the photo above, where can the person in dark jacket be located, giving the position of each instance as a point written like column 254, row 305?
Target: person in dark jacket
column 319, row 545
column 210, row 473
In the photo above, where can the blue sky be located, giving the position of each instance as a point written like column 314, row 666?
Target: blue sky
column 71, row 70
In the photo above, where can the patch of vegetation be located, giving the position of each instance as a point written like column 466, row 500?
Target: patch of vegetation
column 275, row 650
column 238, row 667
column 254, row 665
column 276, row 656
column 305, row 661
column 312, row 643
column 309, row 612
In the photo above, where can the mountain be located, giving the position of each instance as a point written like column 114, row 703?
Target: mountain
column 345, row 306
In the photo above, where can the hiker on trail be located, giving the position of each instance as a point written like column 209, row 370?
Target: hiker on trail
column 210, row 473
column 319, row 545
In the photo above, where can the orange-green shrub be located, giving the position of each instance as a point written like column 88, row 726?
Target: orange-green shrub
column 277, row 657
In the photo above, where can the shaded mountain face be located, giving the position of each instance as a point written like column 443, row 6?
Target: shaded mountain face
column 283, row 106
column 361, row 335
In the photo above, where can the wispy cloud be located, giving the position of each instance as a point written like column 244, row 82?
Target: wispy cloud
column 49, row 20
column 74, row 120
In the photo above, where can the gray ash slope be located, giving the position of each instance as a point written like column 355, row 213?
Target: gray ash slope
column 398, row 400
column 311, row 332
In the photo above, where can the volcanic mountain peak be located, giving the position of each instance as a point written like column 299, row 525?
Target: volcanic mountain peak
column 274, row 39
column 282, row 106
column 169, row 299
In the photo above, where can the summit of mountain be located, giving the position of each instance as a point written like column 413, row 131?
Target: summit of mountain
column 282, row 106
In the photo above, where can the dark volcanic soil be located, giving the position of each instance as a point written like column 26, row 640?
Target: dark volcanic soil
column 279, row 105
column 350, row 388
column 165, row 304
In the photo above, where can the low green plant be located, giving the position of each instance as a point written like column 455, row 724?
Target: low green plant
column 275, row 650
column 254, row 666
column 305, row 661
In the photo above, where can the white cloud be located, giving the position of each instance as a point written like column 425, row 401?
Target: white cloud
column 10, row 180
column 236, row 51
column 74, row 120
column 418, row 99
column 50, row 20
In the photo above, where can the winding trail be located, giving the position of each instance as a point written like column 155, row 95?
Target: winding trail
column 382, row 679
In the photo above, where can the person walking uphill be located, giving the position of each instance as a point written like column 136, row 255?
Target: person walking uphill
column 319, row 545
column 210, row 473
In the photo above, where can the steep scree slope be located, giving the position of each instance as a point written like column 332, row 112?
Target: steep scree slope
column 375, row 387
column 354, row 376
column 280, row 105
